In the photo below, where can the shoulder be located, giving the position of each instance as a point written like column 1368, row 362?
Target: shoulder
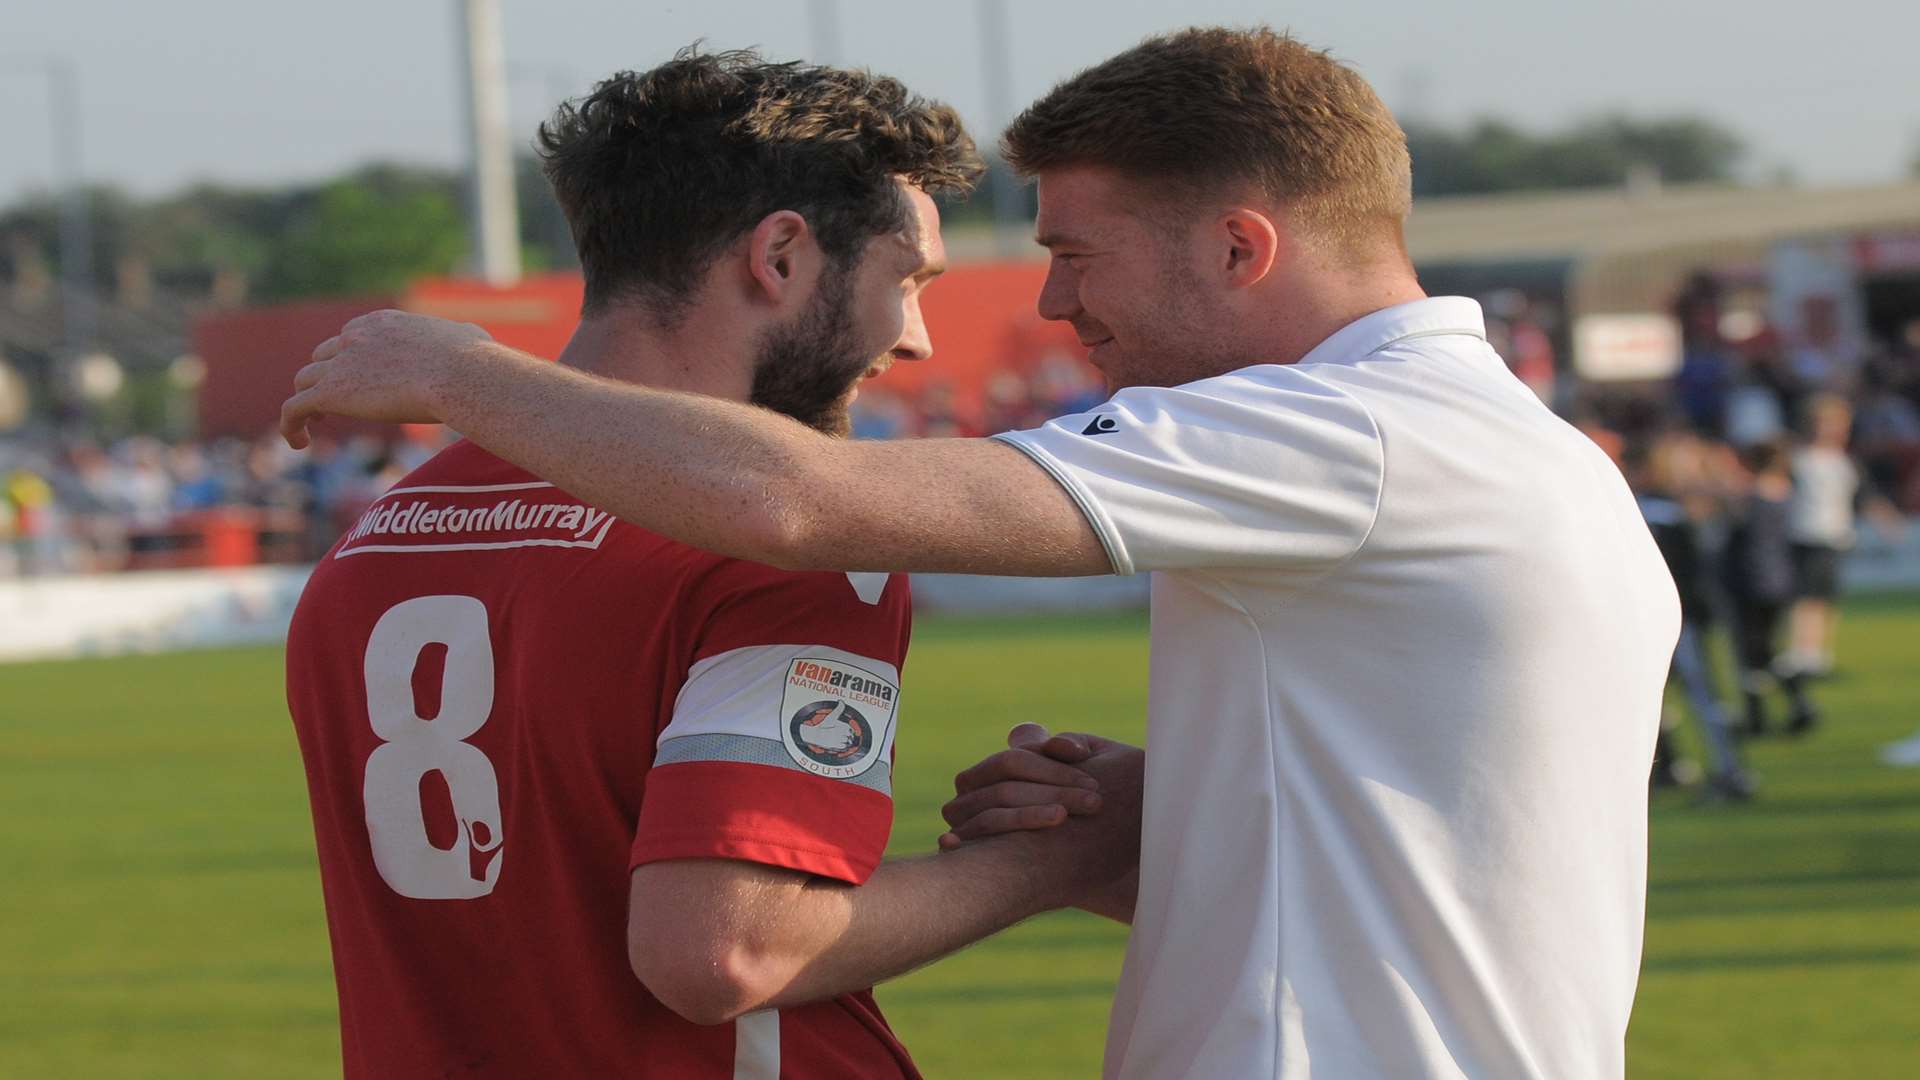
column 1269, row 402
column 737, row 603
column 464, row 462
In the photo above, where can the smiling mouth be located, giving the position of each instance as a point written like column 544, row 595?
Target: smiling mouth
column 873, row 372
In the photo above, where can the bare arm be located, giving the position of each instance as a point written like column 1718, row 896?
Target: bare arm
column 716, row 938
column 727, row 477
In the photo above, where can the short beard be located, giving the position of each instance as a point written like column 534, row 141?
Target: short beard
column 805, row 367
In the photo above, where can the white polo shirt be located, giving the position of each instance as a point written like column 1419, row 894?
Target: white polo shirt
column 1409, row 640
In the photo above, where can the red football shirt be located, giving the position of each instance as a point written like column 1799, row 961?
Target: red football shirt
column 506, row 700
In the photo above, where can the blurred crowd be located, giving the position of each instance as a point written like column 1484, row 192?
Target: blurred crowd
column 1842, row 420
column 80, row 506
column 1755, row 473
column 1759, row 388
column 1011, row 400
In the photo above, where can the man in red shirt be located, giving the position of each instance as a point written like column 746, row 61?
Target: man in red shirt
column 534, row 734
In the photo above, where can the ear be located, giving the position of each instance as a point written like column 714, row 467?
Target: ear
column 1253, row 245
column 779, row 254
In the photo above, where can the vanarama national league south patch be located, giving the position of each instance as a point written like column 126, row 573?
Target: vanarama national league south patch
column 835, row 717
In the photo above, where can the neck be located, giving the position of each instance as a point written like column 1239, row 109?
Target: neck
column 1318, row 301
column 697, row 355
column 1308, row 300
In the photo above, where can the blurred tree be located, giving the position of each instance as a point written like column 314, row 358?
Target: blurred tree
column 1491, row 156
column 370, row 232
column 379, row 226
column 366, row 231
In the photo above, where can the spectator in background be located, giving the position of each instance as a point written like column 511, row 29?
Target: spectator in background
column 1903, row 362
column 1661, row 472
column 1758, row 572
column 1707, row 367
column 1514, row 330
column 143, row 489
column 940, row 415
column 1063, row 386
column 196, row 485
column 1823, row 361
column 1758, row 395
column 1009, row 404
column 881, row 414
column 1826, row 492
column 1603, row 435
column 26, row 515
column 1887, row 436
column 80, row 506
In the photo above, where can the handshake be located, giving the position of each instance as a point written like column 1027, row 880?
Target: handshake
column 1074, row 799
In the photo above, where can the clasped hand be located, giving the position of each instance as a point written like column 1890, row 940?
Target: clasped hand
column 1083, row 790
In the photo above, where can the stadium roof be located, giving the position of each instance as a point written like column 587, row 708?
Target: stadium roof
column 1616, row 221
column 1576, row 225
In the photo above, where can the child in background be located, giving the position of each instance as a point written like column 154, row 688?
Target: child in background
column 1759, row 574
column 1827, row 489
column 1825, row 486
column 1663, row 475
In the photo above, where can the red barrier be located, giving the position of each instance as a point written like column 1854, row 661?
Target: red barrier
column 981, row 317
column 224, row 537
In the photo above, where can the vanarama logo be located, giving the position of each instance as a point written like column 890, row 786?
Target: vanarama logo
column 475, row 518
column 831, row 732
column 842, row 679
column 835, row 717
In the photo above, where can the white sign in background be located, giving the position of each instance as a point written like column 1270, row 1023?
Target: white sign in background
column 149, row 611
column 1626, row 347
column 162, row 611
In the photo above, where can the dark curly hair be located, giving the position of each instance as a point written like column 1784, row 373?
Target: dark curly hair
column 658, row 171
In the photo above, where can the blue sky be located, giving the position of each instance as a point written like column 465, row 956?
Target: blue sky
column 266, row 90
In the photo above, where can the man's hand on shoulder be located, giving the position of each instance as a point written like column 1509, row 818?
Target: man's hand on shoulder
column 385, row 365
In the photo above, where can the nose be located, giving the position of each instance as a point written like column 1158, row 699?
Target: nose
column 1060, row 293
column 915, row 343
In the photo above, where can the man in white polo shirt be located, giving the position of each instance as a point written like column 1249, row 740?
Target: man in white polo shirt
column 1409, row 630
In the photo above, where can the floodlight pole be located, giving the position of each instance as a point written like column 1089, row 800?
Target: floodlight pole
column 75, row 226
column 558, row 85
column 494, row 217
column 823, row 18
column 996, row 69
column 76, row 221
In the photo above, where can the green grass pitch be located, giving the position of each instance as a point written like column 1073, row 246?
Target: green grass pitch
column 160, row 912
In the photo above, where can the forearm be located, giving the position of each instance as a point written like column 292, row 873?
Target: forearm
column 750, row 483
column 837, row 939
column 695, row 468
